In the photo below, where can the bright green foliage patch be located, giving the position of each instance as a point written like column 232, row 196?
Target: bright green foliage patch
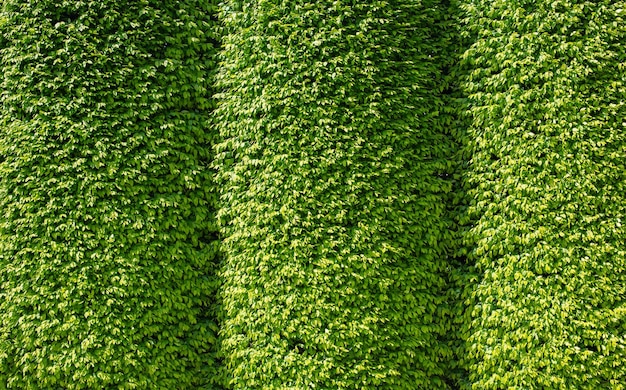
column 107, row 253
column 547, row 87
column 339, row 184
column 332, row 171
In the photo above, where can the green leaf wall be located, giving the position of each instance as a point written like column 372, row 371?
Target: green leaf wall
column 381, row 194
column 107, row 233
column 332, row 178
column 546, row 85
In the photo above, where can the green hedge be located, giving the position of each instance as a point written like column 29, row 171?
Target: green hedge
column 332, row 176
column 546, row 82
column 344, row 201
column 107, row 232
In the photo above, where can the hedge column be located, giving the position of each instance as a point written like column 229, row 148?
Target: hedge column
column 548, row 210
column 106, row 228
column 332, row 171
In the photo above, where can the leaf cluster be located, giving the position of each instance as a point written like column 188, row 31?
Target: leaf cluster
column 107, row 233
column 332, row 173
column 545, row 85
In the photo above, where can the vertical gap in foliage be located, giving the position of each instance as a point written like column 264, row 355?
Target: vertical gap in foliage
column 462, row 272
column 450, row 44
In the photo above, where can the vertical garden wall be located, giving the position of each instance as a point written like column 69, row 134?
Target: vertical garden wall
column 107, row 249
column 332, row 171
column 546, row 84
column 388, row 218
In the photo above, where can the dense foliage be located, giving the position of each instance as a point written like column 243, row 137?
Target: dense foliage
column 546, row 82
column 332, row 174
column 406, row 194
column 107, row 229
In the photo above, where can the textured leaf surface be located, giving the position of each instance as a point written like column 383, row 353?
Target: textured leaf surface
column 546, row 184
column 332, row 171
column 107, row 212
